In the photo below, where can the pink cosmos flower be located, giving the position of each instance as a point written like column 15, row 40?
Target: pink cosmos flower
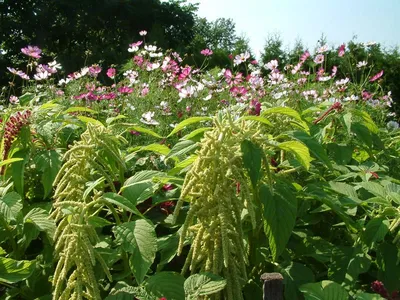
column 14, row 99
column 376, row 76
column 366, row 95
column 134, row 46
column 111, row 73
column 32, row 51
column 206, row 52
column 94, row 70
column 319, row 59
column 185, row 73
column 125, row 90
column 254, row 62
column 341, row 50
column 304, row 56
column 255, row 107
column 334, row 71
column 138, row 60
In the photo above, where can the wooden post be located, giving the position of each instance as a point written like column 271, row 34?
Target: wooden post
column 273, row 286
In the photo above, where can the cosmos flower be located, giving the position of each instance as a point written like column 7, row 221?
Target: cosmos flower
column 376, row 76
column 32, row 51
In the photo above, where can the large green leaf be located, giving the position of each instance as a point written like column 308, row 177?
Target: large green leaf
column 375, row 231
column 121, row 202
column 362, row 133
column 187, row 122
column 140, row 186
column 9, row 161
column 166, row 284
column 279, row 213
column 324, row 290
column 139, row 239
column 295, row 275
column 252, row 155
column 203, row 284
column 389, row 267
column 258, row 119
column 286, row 111
column 299, row 150
column 181, row 148
column 156, row 148
column 49, row 163
column 40, row 218
column 346, row 190
column 12, row 271
column 315, row 148
column 367, row 296
column 10, row 206
column 18, row 170
column 145, row 130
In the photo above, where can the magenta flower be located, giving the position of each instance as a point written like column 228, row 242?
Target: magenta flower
column 206, row 52
column 111, row 73
column 376, row 76
column 32, row 51
column 125, row 90
column 255, row 107
column 94, row 70
column 341, row 50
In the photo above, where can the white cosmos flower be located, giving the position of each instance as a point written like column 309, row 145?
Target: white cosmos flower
column 147, row 118
column 323, row 49
column 272, row 65
column 361, row 64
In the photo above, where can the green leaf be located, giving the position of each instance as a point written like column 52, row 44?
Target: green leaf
column 367, row 296
column 347, row 119
column 156, row 148
column 25, row 98
column 279, row 213
column 90, row 120
column 362, row 133
column 299, row 150
column 79, row 109
column 203, row 284
column 145, row 130
column 287, row 111
column 196, row 132
column 98, row 222
column 112, row 119
column 12, row 271
column 181, row 148
column 375, row 231
column 316, row 148
column 341, row 154
column 40, row 218
column 10, row 206
column 166, row 284
column 252, row 155
column 138, row 238
column 121, row 202
column 389, row 268
column 295, row 275
column 18, row 170
column 140, row 186
column 187, row 122
column 345, row 189
column 324, row 290
column 49, row 163
column 366, row 120
column 168, row 247
column 258, row 119
column 9, row 161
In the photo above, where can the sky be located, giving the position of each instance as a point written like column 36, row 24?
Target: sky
column 338, row 20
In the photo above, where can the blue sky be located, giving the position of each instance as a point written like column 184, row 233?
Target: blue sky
column 339, row 20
